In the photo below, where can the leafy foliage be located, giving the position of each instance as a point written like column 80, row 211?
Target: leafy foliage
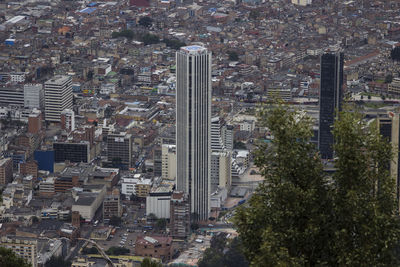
column 115, row 221
column 194, row 226
column 366, row 229
column 389, row 78
column 10, row 259
column 223, row 253
column 150, row 263
column 151, row 217
column 239, row 145
column 145, row 21
column 116, row 251
column 254, row 14
column 124, row 33
column 161, row 224
column 233, row 56
column 91, row 250
column 58, row 262
column 149, row 38
column 301, row 217
column 174, row 43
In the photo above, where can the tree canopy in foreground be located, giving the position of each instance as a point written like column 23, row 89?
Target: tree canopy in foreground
column 301, row 216
column 10, row 259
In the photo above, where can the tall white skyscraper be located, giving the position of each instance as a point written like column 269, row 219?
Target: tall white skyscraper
column 58, row 96
column 193, row 127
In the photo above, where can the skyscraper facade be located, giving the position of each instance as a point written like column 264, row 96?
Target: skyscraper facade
column 389, row 128
column 58, row 96
column 330, row 98
column 193, row 127
column 33, row 96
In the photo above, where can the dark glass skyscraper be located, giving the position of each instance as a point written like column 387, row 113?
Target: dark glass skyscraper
column 330, row 99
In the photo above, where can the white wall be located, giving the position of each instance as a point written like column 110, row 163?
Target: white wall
column 158, row 205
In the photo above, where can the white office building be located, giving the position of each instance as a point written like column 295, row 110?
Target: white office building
column 58, row 96
column 68, row 120
column 216, row 130
column 168, row 162
column 227, row 136
column 134, row 186
column 220, row 170
column 33, row 96
column 193, row 127
column 11, row 96
column 302, row 2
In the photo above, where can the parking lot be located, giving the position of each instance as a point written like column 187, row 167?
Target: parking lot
column 122, row 238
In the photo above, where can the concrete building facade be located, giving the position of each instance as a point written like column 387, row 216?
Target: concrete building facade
column 119, row 149
column 168, row 159
column 193, row 127
column 180, row 215
column 68, row 120
column 6, row 171
column 33, row 96
column 24, row 247
column 58, row 96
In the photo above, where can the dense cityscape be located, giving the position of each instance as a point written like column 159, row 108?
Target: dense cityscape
column 143, row 132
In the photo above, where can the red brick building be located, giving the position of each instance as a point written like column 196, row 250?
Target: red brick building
column 154, row 246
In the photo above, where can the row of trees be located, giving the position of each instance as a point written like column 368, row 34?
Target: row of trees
column 300, row 216
column 116, row 251
column 148, row 38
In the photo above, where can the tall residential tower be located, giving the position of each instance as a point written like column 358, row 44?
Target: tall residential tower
column 58, row 96
column 193, row 127
column 330, row 99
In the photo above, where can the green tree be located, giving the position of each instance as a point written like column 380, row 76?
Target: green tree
column 194, row 226
column 389, row 78
column 239, row 145
column 254, row 14
column 35, row 219
column 150, row 263
column 124, row 33
column 151, row 217
column 115, row 221
column 366, row 229
column 174, row 43
column 286, row 222
column 161, row 224
column 116, row 251
column 10, row 259
column 145, row 21
column 234, row 256
column 114, row 35
column 301, row 217
column 233, row 56
column 89, row 75
column 223, row 253
column 149, row 38
column 91, row 250
column 58, row 262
